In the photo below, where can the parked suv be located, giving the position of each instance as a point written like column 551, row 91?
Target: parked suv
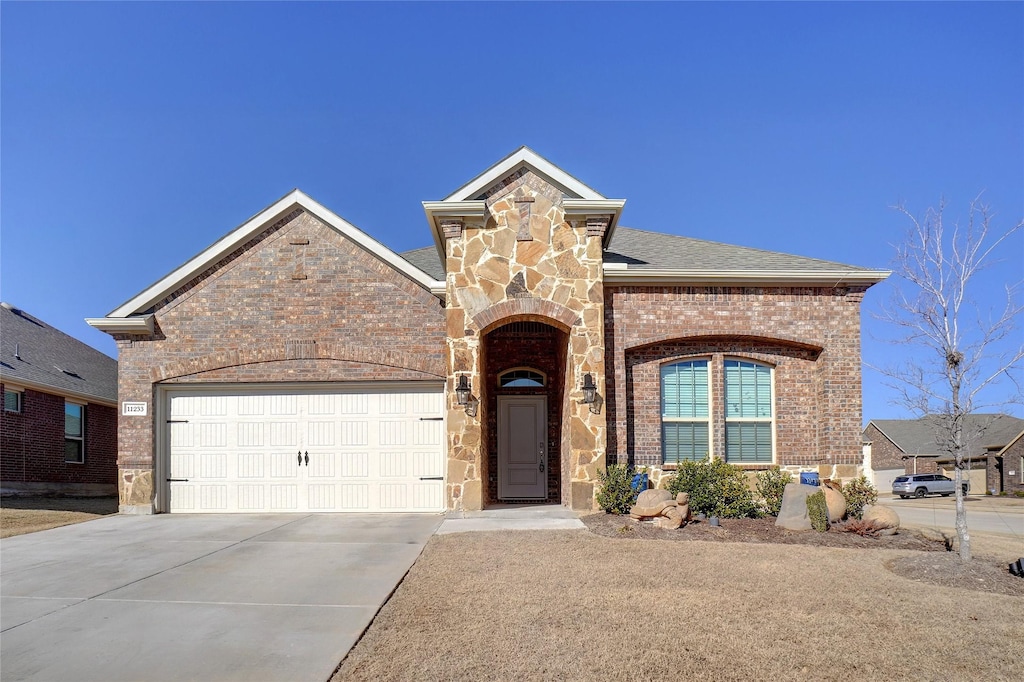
column 920, row 485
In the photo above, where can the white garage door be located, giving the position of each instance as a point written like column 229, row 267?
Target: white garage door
column 297, row 452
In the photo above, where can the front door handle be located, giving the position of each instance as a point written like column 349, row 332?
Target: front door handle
column 540, row 452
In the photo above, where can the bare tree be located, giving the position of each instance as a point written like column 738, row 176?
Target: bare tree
column 965, row 344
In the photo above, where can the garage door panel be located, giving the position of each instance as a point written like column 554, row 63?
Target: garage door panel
column 354, row 464
column 392, row 432
column 367, row 452
column 353, row 433
column 322, row 465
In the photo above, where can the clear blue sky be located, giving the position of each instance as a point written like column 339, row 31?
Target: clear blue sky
column 134, row 135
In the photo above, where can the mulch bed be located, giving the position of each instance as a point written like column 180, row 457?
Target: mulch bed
column 757, row 530
column 931, row 563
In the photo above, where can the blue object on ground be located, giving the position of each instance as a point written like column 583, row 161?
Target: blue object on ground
column 639, row 482
column 809, row 478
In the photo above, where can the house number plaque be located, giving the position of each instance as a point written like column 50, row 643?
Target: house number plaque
column 134, row 409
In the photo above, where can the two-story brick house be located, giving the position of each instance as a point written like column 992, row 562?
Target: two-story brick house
column 299, row 364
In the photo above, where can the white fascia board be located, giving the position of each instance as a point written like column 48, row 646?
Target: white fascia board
column 136, row 324
column 254, row 226
column 450, row 209
column 615, row 273
column 592, row 206
column 524, row 156
column 597, row 207
column 17, row 382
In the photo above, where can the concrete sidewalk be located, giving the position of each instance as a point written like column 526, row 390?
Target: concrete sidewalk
column 512, row 517
column 169, row 597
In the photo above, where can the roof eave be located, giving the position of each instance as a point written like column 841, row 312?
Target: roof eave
column 135, row 324
column 586, row 208
column 524, row 156
column 621, row 273
column 17, row 382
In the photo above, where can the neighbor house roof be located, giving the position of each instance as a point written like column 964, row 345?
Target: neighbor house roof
column 641, row 256
column 923, row 436
column 38, row 356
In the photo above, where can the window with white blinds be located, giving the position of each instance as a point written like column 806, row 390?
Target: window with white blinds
column 748, row 412
column 685, row 424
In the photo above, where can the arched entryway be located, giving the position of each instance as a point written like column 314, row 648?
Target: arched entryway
column 524, row 370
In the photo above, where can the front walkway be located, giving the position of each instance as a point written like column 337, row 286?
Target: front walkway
column 512, row 517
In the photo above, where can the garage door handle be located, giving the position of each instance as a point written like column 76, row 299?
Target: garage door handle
column 431, row 419
column 300, row 457
column 431, row 478
column 177, row 480
column 307, row 458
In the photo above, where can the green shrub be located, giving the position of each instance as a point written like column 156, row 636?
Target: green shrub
column 771, row 483
column 859, row 493
column 716, row 488
column 818, row 511
column 1018, row 493
column 616, row 496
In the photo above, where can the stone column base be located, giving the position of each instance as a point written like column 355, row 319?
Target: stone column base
column 136, row 509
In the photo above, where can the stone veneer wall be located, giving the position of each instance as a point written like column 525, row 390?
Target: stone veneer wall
column 810, row 335
column 299, row 302
column 526, row 263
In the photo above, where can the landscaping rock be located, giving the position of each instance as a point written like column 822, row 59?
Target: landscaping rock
column 836, row 504
column 793, row 514
column 651, row 503
column 659, row 507
column 885, row 517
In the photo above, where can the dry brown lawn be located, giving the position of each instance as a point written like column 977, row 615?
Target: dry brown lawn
column 20, row 515
column 557, row 605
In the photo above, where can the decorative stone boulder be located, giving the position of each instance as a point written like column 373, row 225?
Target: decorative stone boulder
column 793, row 513
column 884, row 517
column 651, row 503
column 659, row 507
column 835, row 501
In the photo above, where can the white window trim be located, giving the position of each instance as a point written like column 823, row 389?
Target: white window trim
column 81, row 438
column 769, row 420
column 687, row 420
column 524, row 368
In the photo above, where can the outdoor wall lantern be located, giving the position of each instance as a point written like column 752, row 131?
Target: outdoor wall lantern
column 464, row 394
column 462, row 391
column 589, row 391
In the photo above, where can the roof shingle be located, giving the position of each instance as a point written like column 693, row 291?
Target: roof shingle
column 35, row 353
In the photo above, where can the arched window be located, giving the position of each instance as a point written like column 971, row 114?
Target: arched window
column 522, row 377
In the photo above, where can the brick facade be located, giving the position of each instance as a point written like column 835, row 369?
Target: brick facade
column 32, row 446
column 884, row 453
column 524, row 285
column 300, row 302
column 1001, row 464
column 810, row 336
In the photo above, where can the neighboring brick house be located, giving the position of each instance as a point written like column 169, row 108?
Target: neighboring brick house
column 58, row 420
column 299, row 364
column 1005, row 467
column 915, row 446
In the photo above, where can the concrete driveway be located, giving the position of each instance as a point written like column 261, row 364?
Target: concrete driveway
column 211, row 598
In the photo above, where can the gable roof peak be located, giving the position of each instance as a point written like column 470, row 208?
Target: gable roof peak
column 520, row 158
